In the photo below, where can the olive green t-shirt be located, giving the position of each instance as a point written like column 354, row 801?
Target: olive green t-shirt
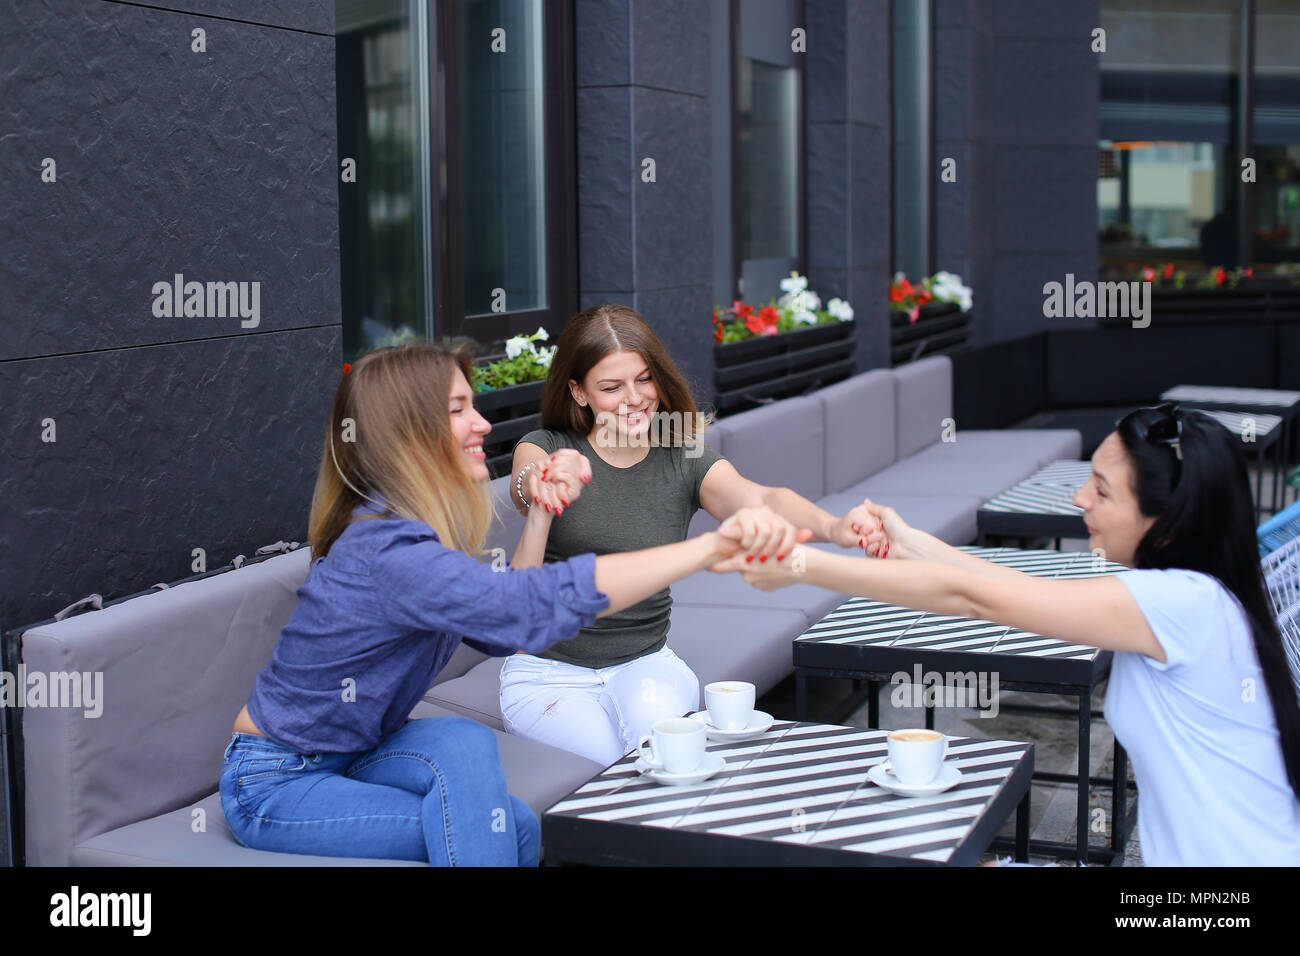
column 624, row 509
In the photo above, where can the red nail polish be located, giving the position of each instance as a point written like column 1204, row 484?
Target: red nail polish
column 548, row 509
column 566, row 504
column 748, row 558
column 780, row 557
column 762, row 559
column 536, row 499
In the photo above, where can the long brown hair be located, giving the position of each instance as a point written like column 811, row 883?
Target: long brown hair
column 389, row 437
column 587, row 338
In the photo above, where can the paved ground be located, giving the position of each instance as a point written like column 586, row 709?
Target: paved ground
column 1055, row 739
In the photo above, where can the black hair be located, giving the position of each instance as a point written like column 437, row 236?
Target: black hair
column 1205, row 521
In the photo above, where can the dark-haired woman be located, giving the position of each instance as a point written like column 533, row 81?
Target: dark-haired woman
column 1200, row 692
column 617, row 413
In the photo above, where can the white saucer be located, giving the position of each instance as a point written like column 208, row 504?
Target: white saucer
column 759, row 724
column 710, row 765
column 883, row 777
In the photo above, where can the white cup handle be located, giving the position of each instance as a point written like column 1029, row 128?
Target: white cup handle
column 649, row 758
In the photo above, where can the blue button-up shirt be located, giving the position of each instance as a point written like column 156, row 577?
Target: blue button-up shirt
column 380, row 616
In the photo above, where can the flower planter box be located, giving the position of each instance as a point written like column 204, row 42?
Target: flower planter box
column 752, row 372
column 514, row 411
column 940, row 328
column 1257, row 301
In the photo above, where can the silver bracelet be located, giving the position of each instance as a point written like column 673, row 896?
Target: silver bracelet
column 519, row 482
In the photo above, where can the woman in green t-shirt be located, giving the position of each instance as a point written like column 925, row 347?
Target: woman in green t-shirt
column 621, row 430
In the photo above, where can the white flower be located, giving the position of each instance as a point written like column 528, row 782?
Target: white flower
column 544, row 356
column 540, row 335
column 517, row 346
column 840, row 309
column 796, row 283
column 805, row 318
column 811, row 301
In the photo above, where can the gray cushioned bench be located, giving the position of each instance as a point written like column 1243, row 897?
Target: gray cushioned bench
column 137, row 785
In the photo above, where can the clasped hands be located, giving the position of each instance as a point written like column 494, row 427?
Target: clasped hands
column 556, row 483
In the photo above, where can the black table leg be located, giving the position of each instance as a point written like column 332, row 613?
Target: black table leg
column 929, row 717
column 1085, row 760
column 1119, row 801
column 800, row 695
column 1022, row 828
column 873, row 704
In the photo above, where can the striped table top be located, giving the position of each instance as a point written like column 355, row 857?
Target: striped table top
column 1280, row 398
column 1261, row 423
column 860, row 629
column 797, row 794
column 1049, row 490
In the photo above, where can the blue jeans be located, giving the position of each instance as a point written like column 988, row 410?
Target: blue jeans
column 432, row 791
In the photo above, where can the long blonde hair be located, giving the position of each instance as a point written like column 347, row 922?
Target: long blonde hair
column 389, row 436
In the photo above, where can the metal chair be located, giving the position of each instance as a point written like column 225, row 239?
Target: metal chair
column 1282, row 575
column 1279, row 529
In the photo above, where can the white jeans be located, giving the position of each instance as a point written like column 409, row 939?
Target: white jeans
column 600, row 713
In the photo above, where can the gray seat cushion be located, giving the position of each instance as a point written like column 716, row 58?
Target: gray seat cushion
column 923, row 393
column 859, row 418
column 780, row 445
column 949, row 518
column 476, row 694
column 535, row 773
column 975, row 477
column 728, row 643
column 1033, row 447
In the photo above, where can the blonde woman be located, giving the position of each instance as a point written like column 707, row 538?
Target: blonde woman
column 323, row 759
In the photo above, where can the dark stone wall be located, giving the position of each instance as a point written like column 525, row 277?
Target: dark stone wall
column 1017, row 99
column 643, row 92
column 171, row 433
column 849, row 162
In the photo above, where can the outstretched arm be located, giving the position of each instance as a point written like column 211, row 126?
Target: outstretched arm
column 1099, row 612
column 724, row 490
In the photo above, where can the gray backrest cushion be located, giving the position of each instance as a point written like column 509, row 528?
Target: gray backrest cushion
column 177, row 666
column 780, row 445
column 923, row 394
column 860, row 421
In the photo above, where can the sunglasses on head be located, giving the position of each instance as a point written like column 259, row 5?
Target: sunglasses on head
column 1167, row 430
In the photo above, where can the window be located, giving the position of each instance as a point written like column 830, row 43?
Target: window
column 1186, row 96
column 380, row 72
column 462, row 219
column 767, row 147
column 913, row 166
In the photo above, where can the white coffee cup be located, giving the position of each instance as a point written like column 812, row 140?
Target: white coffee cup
column 730, row 704
column 676, row 745
column 916, row 755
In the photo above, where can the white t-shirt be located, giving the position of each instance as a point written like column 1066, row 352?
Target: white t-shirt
column 1200, row 730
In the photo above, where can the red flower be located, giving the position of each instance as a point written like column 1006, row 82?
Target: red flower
column 754, row 324
column 742, row 311
column 717, row 332
column 1219, row 276
column 347, row 367
column 1169, row 271
column 1148, row 274
column 923, row 297
column 769, row 315
column 899, row 292
column 1250, row 273
column 912, row 313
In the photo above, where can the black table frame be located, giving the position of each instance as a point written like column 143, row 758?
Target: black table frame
column 1015, row 672
column 570, row 839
